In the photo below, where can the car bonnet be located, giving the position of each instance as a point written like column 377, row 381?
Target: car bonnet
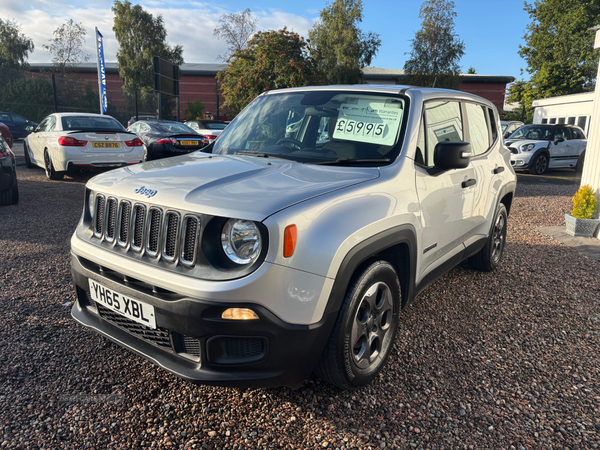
column 243, row 187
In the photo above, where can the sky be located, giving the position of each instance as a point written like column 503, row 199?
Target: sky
column 491, row 31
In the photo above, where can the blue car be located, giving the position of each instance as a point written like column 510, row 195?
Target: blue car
column 19, row 126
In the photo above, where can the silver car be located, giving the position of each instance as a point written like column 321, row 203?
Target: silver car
column 273, row 252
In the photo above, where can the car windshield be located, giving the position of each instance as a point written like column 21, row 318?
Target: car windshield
column 504, row 126
column 90, row 123
column 322, row 127
column 174, row 127
column 215, row 126
column 535, row 132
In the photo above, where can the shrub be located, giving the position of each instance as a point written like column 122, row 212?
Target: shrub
column 585, row 203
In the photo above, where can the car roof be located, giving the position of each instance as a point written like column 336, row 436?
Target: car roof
column 426, row 92
column 71, row 114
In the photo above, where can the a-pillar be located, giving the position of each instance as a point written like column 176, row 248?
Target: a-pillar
column 591, row 167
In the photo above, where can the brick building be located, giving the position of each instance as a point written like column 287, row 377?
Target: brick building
column 198, row 82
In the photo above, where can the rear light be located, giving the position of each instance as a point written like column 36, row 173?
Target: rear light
column 167, row 141
column 211, row 136
column 3, row 153
column 67, row 141
column 205, row 140
column 137, row 142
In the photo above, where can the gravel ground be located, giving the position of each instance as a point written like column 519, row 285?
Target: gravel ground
column 502, row 360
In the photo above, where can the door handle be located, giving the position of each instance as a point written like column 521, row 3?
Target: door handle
column 468, row 183
column 498, row 170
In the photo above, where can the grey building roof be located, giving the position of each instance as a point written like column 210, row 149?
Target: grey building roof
column 371, row 73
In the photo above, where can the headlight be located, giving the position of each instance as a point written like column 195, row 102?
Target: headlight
column 527, row 147
column 91, row 203
column 241, row 241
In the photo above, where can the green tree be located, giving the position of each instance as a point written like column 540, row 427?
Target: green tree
column 272, row 60
column 344, row 49
column 67, row 45
column 194, row 110
column 558, row 47
column 436, row 49
column 471, row 70
column 14, row 46
column 236, row 29
column 142, row 36
column 523, row 93
column 30, row 97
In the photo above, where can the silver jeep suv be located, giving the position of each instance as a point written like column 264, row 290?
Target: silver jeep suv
column 280, row 250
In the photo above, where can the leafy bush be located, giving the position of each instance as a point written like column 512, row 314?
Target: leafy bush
column 585, row 203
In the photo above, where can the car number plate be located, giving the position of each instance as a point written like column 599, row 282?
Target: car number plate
column 126, row 306
column 188, row 142
column 106, row 145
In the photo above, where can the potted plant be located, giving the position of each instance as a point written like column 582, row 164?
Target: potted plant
column 582, row 221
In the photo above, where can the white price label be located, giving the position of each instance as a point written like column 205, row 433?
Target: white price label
column 368, row 122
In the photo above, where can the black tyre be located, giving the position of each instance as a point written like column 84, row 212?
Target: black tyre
column 28, row 162
column 365, row 329
column 51, row 174
column 10, row 196
column 539, row 164
column 488, row 258
column 580, row 162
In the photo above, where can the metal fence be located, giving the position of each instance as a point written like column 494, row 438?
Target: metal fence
column 34, row 95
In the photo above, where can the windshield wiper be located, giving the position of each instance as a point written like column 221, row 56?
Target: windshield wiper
column 257, row 154
column 343, row 161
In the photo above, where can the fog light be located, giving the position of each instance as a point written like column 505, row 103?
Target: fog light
column 239, row 314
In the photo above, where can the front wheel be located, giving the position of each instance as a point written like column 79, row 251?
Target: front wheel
column 365, row 329
column 488, row 258
column 28, row 162
column 539, row 164
column 51, row 174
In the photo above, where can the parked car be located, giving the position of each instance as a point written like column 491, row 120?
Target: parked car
column 6, row 134
column 165, row 138
column 75, row 142
column 133, row 119
column 19, row 126
column 9, row 190
column 209, row 128
column 510, row 126
column 540, row 147
column 273, row 256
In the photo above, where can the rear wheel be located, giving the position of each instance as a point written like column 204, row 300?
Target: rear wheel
column 539, row 164
column 28, row 162
column 364, row 332
column 10, row 196
column 488, row 258
column 51, row 174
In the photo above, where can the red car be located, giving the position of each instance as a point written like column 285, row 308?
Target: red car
column 6, row 134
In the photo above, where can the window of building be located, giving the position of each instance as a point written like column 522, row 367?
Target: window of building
column 581, row 122
column 552, row 120
column 561, row 120
column 571, row 120
column 544, row 121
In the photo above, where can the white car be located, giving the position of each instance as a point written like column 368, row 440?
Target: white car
column 75, row 142
column 539, row 147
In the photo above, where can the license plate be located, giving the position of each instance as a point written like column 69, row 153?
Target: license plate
column 126, row 306
column 188, row 142
column 106, row 145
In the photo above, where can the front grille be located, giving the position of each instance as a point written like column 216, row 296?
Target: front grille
column 99, row 222
column 111, row 219
column 153, row 233
column 148, row 230
column 161, row 337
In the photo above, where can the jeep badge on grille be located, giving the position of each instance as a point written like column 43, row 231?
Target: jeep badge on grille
column 147, row 192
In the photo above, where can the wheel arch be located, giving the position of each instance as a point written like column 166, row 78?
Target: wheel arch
column 397, row 246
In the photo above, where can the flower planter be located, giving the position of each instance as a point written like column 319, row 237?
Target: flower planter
column 581, row 227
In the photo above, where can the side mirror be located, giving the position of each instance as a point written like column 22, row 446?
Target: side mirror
column 451, row 155
column 558, row 140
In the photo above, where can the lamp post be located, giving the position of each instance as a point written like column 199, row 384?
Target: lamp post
column 591, row 167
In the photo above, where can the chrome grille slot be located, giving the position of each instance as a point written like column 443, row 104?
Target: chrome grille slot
column 124, row 222
column 171, row 235
column 99, row 216
column 138, row 221
column 190, row 232
column 153, row 233
column 111, row 219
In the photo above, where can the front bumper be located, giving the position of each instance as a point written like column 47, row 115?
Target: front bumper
column 194, row 343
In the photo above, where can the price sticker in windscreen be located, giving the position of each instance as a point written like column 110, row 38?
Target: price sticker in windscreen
column 368, row 122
